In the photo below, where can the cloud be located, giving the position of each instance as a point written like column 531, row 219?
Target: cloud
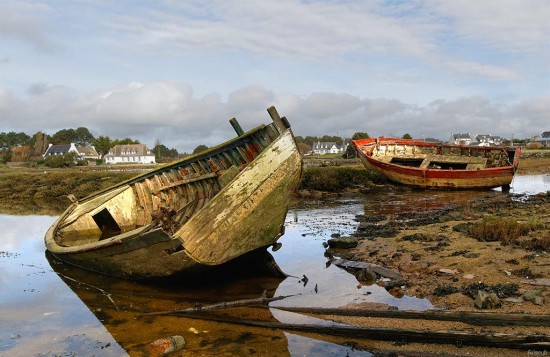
column 169, row 111
column 26, row 22
column 509, row 25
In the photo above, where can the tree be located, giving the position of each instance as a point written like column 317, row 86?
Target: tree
column 350, row 152
column 162, row 153
column 39, row 144
column 11, row 139
column 102, row 144
column 407, row 136
column 200, row 148
column 5, row 156
column 304, row 148
column 83, row 137
column 125, row 141
column 64, row 136
column 360, row 135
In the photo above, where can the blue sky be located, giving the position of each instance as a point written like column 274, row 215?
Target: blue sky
column 176, row 71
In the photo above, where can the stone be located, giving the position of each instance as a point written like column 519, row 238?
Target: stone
column 534, row 296
column 366, row 275
column 485, row 300
column 343, row 242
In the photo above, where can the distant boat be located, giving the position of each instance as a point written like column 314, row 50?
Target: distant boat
column 187, row 216
column 435, row 165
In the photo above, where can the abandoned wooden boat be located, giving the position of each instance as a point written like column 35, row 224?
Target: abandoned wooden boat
column 189, row 215
column 434, row 165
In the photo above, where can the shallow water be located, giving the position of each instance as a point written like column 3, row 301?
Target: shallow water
column 48, row 308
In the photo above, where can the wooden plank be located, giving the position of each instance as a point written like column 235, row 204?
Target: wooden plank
column 472, row 318
column 458, row 338
column 186, row 181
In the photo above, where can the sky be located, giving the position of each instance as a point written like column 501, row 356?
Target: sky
column 175, row 72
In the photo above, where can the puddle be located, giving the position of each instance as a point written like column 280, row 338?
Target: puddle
column 49, row 308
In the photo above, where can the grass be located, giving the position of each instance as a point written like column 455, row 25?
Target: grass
column 511, row 232
column 338, row 178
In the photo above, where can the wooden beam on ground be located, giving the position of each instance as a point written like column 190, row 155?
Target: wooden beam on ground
column 457, row 338
column 472, row 318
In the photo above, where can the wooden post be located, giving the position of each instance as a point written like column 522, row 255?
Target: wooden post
column 276, row 118
column 235, row 124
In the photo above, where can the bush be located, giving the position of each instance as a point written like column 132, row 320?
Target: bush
column 506, row 230
column 57, row 161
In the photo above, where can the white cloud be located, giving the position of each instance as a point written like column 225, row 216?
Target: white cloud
column 26, row 22
column 509, row 25
column 168, row 111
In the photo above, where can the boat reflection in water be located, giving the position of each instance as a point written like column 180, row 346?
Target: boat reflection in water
column 118, row 303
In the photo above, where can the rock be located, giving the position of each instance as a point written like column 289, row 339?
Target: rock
column 343, row 242
column 416, row 256
column 518, row 300
column 534, row 295
column 448, row 271
column 366, row 275
column 468, row 276
column 167, row 345
column 471, row 255
column 539, row 281
column 485, row 300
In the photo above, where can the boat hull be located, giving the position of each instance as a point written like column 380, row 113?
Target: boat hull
column 246, row 215
column 478, row 177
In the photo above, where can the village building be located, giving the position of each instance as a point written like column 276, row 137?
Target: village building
column 544, row 139
column 460, row 139
column 130, row 153
column 82, row 152
column 487, row 140
column 328, row 147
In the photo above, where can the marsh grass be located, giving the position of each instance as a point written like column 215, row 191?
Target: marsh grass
column 338, row 178
column 511, row 232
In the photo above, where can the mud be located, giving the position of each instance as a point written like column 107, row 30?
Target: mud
column 439, row 259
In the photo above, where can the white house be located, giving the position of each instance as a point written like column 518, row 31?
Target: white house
column 460, row 139
column 83, row 153
column 544, row 139
column 487, row 140
column 328, row 147
column 130, row 153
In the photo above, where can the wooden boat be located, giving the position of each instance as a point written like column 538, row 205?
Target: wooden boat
column 434, row 165
column 189, row 215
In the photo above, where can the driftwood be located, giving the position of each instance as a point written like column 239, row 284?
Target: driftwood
column 264, row 300
column 472, row 318
column 500, row 340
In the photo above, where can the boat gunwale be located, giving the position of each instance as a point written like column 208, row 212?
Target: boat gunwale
column 189, row 159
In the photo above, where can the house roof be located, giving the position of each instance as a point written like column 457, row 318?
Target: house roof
column 545, row 134
column 88, row 151
column 462, row 136
column 129, row 149
column 58, row 149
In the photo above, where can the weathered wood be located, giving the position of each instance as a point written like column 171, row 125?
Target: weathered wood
column 276, row 118
column 472, row 318
column 236, row 126
column 458, row 338
column 422, row 164
column 262, row 168
column 264, row 300
column 184, row 181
